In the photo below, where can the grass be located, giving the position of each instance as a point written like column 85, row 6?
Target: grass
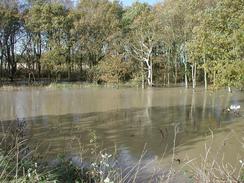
column 18, row 162
column 70, row 85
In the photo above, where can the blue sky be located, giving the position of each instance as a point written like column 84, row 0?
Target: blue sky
column 129, row 2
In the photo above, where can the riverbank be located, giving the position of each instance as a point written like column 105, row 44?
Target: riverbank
column 63, row 84
column 79, row 84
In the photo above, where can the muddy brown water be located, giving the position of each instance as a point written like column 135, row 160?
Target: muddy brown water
column 130, row 119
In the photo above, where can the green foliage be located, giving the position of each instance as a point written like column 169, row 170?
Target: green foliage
column 165, row 40
column 230, row 74
column 66, row 171
column 113, row 69
column 92, row 74
column 219, row 37
column 133, row 12
column 53, row 60
column 98, row 25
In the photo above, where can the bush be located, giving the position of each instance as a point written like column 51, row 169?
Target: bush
column 112, row 69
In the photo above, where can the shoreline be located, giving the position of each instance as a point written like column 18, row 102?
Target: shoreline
column 84, row 84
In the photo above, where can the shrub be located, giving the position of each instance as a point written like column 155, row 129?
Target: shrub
column 113, row 69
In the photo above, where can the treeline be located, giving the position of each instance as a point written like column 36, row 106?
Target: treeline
column 177, row 41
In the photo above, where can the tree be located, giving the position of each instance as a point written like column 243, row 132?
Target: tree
column 97, row 33
column 51, row 27
column 9, row 29
column 143, row 37
column 219, row 39
column 53, row 61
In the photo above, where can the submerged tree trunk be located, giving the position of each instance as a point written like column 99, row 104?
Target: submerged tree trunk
column 183, row 57
column 168, row 78
column 176, row 71
column 186, row 79
column 214, row 78
column 168, row 69
column 205, row 73
column 149, row 72
column 205, row 80
column 68, row 62
column 142, row 76
column 229, row 89
column 194, row 74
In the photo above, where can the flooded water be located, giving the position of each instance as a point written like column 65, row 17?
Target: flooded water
column 132, row 119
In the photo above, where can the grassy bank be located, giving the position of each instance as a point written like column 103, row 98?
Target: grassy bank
column 66, row 84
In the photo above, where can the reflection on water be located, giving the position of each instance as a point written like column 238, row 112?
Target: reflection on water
column 129, row 118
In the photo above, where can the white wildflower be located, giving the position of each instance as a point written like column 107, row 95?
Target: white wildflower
column 242, row 163
column 103, row 155
column 107, row 180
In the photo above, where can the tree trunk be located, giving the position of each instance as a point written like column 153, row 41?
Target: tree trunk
column 39, row 56
column 194, row 74
column 13, row 62
column 164, row 79
column 81, row 61
column 68, row 61
column 186, row 79
column 205, row 73
column 1, row 69
column 229, row 89
column 149, row 71
column 176, row 71
column 8, row 58
column 142, row 76
column 149, row 76
column 1, row 66
column 183, row 57
column 168, row 68
column 1, row 60
column 168, row 78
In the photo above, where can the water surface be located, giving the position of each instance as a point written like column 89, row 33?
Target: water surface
column 128, row 118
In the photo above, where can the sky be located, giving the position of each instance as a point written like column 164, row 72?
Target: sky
column 129, row 2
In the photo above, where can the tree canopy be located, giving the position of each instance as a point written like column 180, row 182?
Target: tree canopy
column 101, row 41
